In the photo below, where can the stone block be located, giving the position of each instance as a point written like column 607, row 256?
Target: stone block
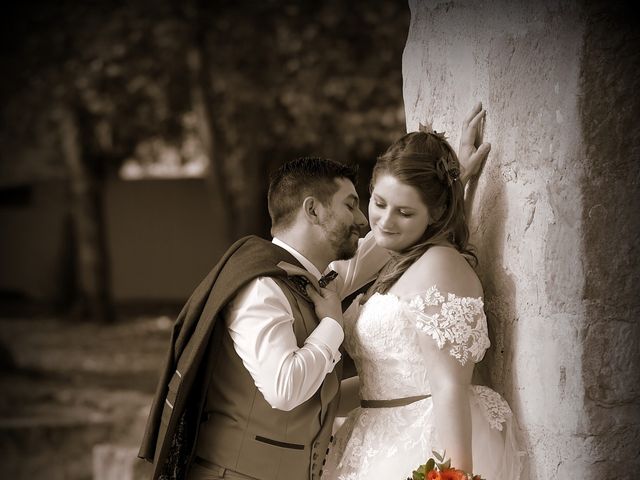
column 119, row 462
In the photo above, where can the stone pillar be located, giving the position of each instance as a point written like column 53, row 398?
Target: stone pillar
column 554, row 216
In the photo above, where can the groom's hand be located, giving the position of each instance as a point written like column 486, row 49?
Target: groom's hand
column 327, row 303
column 472, row 152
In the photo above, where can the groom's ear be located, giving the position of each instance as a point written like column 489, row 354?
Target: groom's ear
column 310, row 209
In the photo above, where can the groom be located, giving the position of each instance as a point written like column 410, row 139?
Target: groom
column 250, row 387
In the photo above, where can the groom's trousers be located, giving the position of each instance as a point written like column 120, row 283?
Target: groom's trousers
column 203, row 470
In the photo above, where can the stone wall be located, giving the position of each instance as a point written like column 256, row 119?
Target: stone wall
column 553, row 213
column 610, row 122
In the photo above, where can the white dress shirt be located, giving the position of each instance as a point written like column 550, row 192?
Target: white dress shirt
column 260, row 322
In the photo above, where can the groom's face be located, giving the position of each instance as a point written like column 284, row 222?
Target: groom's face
column 343, row 220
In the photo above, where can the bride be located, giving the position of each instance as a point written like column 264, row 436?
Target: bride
column 417, row 333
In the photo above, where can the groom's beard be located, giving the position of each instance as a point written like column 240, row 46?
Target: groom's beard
column 343, row 239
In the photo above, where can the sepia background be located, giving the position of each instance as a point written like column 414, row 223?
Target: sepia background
column 136, row 142
column 137, row 138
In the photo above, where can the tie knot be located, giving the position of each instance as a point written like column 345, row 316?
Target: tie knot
column 327, row 278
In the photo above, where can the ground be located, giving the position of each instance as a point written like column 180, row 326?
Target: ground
column 75, row 395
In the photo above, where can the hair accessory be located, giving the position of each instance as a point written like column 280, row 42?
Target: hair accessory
column 449, row 169
column 452, row 167
column 425, row 128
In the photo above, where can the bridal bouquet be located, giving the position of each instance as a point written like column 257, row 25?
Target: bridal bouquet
column 440, row 469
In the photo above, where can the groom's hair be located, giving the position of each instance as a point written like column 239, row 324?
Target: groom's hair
column 295, row 180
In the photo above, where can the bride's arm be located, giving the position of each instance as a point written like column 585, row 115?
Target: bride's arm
column 450, row 382
column 443, row 341
column 362, row 268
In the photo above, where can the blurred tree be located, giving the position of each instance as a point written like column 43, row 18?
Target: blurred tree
column 106, row 78
column 198, row 62
column 251, row 84
column 93, row 298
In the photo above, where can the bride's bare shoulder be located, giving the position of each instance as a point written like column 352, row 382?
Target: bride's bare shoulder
column 447, row 269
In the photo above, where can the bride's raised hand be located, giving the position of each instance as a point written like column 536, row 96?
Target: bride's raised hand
column 472, row 152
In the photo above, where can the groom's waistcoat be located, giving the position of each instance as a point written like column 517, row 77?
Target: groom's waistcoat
column 242, row 432
column 207, row 395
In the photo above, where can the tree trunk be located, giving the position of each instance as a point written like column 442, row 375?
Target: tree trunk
column 218, row 185
column 93, row 297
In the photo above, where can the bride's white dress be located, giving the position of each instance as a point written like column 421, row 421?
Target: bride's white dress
column 389, row 443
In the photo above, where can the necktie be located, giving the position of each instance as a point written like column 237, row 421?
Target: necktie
column 300, row 278
column 327, row 278
column 301, row 282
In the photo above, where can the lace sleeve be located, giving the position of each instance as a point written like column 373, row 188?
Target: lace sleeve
column 456, row 322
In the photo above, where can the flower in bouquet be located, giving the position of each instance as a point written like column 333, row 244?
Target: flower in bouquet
column 439, row 468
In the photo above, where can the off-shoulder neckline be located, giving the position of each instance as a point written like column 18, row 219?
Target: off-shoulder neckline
column 412, row 296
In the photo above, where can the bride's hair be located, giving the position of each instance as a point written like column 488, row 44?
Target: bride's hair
column 426, row 161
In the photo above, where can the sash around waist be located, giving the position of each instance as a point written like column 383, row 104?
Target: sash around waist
column 394, row 402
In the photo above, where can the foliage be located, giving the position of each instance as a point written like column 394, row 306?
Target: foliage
column 283, row 79
column 287, row 78
column 92, row 87
column 120, row 67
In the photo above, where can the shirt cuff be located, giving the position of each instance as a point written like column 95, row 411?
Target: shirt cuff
column 328, row 334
